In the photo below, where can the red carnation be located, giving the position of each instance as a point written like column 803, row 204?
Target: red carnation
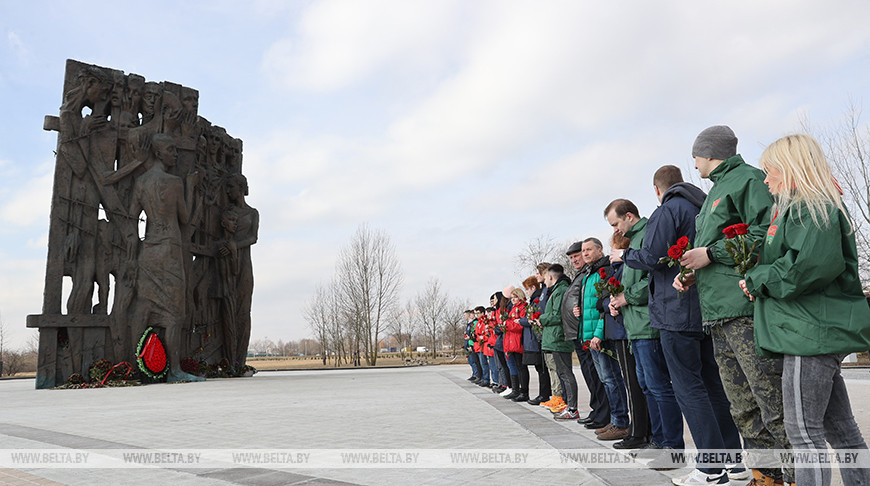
column 585, row 345
column 675, row 252
column 613, row 282
column 683, row 242
column 729, row 232
column 602, row 273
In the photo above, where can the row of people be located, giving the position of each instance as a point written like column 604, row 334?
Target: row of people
column 672, row 325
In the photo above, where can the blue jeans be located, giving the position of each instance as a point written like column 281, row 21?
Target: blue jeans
column 666, row 420
column 614, row 385
column 512, row 365
column 472, row 361
column 816, row 406
column 493, row 369
column 484, row 365
column 699, row 391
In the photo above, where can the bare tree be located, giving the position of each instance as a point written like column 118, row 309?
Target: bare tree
column 3, row 343
column 320, row 313
column 430, row 306
column 543, row 248
column 368, row 279
column 12, row 362
column 401, row 327
column 454, row 323
column 31, row 345
column 847, row 146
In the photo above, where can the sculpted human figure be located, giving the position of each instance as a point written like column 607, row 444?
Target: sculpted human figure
column 160, row 279
column 151, row 101
column 241, row 224
column 172, row 114
column 132, row 101
column 190, row 107
column 76, row 149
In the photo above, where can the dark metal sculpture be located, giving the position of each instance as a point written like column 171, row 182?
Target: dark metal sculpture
column 132, row 152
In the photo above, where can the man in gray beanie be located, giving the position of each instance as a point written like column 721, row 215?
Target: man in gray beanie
column 752, row 384
column 717, row 142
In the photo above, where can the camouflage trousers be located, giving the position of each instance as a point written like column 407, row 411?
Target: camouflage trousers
column 753, row 385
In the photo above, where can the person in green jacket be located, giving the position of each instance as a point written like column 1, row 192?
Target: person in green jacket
column 553, row 338
column 809, row 305
column 753, row 384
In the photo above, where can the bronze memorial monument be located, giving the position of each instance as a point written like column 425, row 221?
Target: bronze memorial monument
column 149, row 229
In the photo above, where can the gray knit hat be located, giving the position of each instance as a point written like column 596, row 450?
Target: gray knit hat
column 716, row 142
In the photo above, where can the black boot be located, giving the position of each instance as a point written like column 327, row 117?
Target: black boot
column 523, row 396
column 515, row 386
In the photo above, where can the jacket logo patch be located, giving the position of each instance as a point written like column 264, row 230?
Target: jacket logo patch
column 715, row 203
column 771, row 232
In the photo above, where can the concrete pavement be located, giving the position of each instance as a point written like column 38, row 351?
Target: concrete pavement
column 399, row 412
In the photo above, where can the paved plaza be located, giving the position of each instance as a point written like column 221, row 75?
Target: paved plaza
column 302, row 414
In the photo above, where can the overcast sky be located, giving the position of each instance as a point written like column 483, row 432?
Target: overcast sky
column 462, row 129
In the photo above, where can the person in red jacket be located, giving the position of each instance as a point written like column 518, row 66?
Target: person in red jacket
column 480, row 345
column 513, row 346
column 489, row 349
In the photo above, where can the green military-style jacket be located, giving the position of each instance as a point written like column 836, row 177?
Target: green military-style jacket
column 739, row 195
column 553, row 337
column 809, row 297
column 636, row 283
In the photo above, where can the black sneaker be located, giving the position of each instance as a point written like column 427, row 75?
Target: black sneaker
column 631, row 443
column 538, row 400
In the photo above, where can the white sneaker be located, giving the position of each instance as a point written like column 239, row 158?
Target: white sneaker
column 737, row 472
column 698, row 478
column 507, row 392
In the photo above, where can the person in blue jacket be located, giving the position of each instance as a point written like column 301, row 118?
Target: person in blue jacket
column 687, row 348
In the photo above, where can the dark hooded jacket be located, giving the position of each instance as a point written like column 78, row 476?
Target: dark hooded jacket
column 673, row 219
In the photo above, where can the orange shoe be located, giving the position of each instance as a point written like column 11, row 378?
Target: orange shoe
column 559, row 406
column 549, row 403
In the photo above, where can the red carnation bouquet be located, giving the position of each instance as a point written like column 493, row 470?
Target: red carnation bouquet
column 533, row 313
column 675, row 253
column 741, row 247
column 607, row 285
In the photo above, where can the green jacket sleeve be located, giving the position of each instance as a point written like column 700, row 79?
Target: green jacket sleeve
column 599, row 329
column 812, row 260
column 755, row 201
column 552, row 315
column 638, row 293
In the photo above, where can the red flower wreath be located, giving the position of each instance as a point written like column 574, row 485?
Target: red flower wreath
column 151, row 355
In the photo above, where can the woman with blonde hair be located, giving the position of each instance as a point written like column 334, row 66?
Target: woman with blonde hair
column 810, row 307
